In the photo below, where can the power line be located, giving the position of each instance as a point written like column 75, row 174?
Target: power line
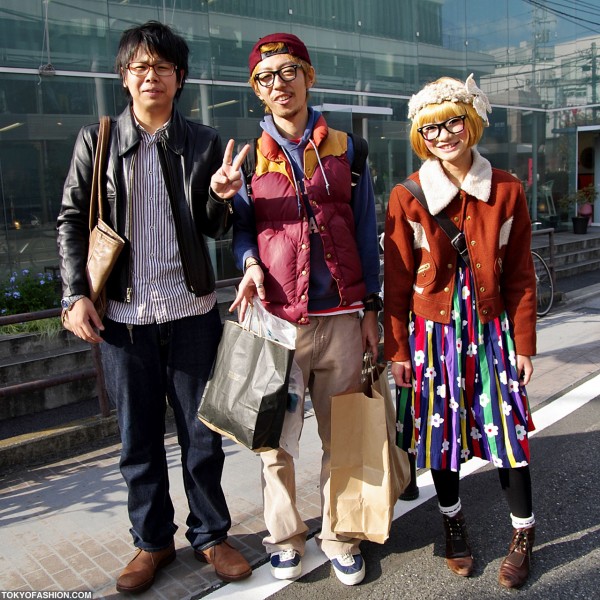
column 584, row 23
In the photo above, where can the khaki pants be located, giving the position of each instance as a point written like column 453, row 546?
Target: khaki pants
column 329, row 352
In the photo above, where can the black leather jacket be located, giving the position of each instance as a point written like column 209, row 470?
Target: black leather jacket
column 189, row 154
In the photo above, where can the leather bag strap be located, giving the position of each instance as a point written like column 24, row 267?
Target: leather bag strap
column 457, row 237
column 97, row 191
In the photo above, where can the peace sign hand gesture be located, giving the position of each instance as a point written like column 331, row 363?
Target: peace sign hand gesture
column 227, row 181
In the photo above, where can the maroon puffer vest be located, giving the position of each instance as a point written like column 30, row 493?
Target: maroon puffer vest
column 283, row 233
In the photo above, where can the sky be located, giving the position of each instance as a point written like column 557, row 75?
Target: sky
column 508, row 23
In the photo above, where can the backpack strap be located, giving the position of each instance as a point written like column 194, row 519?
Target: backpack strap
column 457, row 237
column 249, row 166
column 361, row 151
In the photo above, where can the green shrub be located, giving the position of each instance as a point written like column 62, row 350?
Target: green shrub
column 48, row 327
column 26, row 292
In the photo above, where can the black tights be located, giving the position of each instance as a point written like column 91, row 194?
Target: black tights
column 516, row 484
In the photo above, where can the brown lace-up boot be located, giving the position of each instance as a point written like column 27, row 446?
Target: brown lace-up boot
column 514, row 569
column 458, row 551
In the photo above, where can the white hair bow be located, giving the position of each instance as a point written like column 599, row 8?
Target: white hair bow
column 481, row 104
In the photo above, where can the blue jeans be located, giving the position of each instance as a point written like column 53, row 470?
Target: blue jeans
column 143, row 369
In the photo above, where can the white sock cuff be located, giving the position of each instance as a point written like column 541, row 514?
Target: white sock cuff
column 450, row 511
column 522, row 523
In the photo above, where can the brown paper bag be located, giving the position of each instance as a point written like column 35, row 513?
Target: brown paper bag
column 368, row 470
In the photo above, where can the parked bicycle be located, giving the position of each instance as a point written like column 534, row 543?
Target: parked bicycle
column 544, row 285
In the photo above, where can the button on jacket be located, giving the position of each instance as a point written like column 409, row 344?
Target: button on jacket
column 189, row 154
column 420, row 263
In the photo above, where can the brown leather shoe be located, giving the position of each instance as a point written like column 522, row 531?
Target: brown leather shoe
column 514, row 569
column 458, row 551
column 139, row 574
column 228, row 562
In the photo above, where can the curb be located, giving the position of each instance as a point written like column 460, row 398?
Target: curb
column 57, row 443
column 581, row 295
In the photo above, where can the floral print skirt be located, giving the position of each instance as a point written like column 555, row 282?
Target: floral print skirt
column 466, row 399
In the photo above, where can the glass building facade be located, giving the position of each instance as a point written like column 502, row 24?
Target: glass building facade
column 537, row 61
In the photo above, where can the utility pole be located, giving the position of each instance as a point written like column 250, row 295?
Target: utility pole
column 593, row 71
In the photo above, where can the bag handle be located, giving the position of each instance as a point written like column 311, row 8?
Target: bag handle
column 247, row 323
column 368, row 368
column 457, row 237
column 97, row 192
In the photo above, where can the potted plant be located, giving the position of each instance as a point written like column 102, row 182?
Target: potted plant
column 582, row 202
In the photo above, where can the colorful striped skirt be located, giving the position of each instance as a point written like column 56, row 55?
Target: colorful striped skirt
column 467, row 399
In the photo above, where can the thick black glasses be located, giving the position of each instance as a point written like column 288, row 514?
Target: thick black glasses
column 431, row 131
column 287, row 73
column 162, row 69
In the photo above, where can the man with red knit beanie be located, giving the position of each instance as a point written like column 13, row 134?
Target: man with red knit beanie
column 306, row 238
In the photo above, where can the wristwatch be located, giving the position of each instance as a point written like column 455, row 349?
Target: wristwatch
column 373, row 303
column 68, row 301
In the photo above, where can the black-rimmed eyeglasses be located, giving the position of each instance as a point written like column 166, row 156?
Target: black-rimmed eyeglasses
column 162, row 69
column 431, row 131
column 287, row 73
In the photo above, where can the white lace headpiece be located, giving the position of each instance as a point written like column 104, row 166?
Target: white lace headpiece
column 451, row 90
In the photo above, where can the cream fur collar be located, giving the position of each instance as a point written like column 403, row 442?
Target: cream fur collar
column 440, row 191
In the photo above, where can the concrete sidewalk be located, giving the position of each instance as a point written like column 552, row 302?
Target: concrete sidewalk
column 64, row 526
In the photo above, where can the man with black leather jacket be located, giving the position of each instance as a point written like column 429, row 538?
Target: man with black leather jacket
column 167, row 186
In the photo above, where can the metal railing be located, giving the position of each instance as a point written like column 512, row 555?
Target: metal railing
column 81, row 374
column 549, row 231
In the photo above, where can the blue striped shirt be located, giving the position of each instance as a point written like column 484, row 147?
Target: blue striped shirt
column 159, row 291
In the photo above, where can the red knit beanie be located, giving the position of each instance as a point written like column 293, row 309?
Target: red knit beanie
column 291, row 45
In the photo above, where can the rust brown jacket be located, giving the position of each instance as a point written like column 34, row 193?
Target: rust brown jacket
column 420, row 263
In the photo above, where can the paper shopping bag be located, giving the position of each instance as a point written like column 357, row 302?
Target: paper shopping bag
column 246, row 396
column 400, row 467
column 368, row 470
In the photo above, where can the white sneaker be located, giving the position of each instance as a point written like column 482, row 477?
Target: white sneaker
column 349, row 568
column 286, row 564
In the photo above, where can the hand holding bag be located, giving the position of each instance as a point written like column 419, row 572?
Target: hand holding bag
column 105, row 244
column 368, row 470
column 245, row 398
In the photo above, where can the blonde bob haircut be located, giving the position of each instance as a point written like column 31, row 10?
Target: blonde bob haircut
column 438, row 113
column 309, row 71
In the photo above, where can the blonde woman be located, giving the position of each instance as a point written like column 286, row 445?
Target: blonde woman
column 460, row 328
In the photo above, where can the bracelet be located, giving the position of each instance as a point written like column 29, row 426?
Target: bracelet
column 251, row 262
